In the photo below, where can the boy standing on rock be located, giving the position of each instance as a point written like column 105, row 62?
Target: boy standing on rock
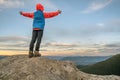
column 38, row 27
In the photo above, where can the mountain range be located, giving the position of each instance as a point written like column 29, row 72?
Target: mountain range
column 107, row 67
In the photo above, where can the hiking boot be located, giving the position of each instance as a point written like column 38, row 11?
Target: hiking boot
column 37, row 54
column 30, row 54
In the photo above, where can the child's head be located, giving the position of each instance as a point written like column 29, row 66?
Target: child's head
column 39, row 7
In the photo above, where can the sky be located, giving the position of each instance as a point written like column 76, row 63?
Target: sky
column 84, row 28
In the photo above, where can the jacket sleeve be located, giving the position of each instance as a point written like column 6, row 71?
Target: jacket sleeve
column 50, row 14
column 29, row 15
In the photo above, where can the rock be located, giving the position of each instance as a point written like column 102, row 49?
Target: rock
column 21, row 67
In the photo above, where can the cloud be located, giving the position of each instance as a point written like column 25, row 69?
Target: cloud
column 11, row 3
column 20, row 3
column 112, row 45
column 22, row 43
column 47, row 4
column 12, row 38
column 55, row 44
column 101, row 24
column 107, row 49
column 97, row 5
column 103, row 49
column 13, row 43
column 108, row 27
column 113, row 25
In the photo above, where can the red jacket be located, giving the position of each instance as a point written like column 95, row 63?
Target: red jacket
column 41, row 8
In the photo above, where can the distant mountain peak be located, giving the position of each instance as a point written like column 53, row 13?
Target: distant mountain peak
column 21, row 67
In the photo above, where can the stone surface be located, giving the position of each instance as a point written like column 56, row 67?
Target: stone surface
column 21, row 67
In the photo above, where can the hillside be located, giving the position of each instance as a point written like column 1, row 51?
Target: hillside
column 24, row 68
column 107, row 67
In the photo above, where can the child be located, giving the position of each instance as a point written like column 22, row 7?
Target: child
column 38, row 27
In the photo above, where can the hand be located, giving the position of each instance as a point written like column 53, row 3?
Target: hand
column 20, row 12
column 59, row 11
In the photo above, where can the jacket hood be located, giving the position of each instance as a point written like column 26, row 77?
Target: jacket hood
column 39, row 7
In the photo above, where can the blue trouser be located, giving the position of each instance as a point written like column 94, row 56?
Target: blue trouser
column 36, row 35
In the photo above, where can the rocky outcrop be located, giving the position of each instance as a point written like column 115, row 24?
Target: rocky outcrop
column 24, row 68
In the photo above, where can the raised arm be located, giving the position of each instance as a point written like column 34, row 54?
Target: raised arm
column 29, row 15
column 51, row 14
